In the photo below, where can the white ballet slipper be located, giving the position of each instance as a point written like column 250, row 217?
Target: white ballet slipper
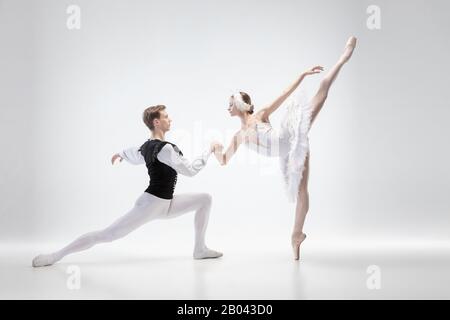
column 207, row 254
column 43, row 260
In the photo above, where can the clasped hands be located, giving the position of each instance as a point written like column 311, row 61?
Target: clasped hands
column 216, row 147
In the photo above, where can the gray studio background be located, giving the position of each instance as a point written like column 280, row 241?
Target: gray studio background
column 72, row 98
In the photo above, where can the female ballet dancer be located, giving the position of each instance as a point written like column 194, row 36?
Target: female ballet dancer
column 164, row 161
column 291, row 143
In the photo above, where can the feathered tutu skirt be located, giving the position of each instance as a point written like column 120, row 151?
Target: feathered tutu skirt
column 294, row 131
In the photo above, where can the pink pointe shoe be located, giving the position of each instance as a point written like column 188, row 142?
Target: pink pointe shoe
column 349, row 48
column 296, row 242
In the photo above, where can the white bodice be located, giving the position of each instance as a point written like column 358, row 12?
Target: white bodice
column 265, row 140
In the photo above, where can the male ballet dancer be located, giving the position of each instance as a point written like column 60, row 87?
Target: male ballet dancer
column 164, row 161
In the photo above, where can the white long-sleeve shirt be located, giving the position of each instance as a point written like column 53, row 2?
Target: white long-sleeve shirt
column 170, row 157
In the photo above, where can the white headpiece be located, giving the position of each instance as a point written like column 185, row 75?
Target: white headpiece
column 240, row 103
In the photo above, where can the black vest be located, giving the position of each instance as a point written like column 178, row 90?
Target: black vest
column 162, row 177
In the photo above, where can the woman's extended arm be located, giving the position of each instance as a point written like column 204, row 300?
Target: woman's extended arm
column 265, row 112
column 224, row 158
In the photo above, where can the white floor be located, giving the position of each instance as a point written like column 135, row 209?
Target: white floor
column 328, row 270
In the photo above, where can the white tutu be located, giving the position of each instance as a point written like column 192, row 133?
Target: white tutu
column 294, row 134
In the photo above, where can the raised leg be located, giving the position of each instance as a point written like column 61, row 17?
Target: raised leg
column 319, row 99
column 146, row 208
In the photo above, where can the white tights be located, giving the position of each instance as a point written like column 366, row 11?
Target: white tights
column 146, row 208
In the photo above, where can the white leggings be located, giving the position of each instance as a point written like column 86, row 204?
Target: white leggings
column 146, row 208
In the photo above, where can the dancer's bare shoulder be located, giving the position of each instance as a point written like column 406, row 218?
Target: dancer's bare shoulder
column 261, row 116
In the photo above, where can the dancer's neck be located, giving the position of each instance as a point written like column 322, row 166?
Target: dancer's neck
column 158, row 134
column 245, row 120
